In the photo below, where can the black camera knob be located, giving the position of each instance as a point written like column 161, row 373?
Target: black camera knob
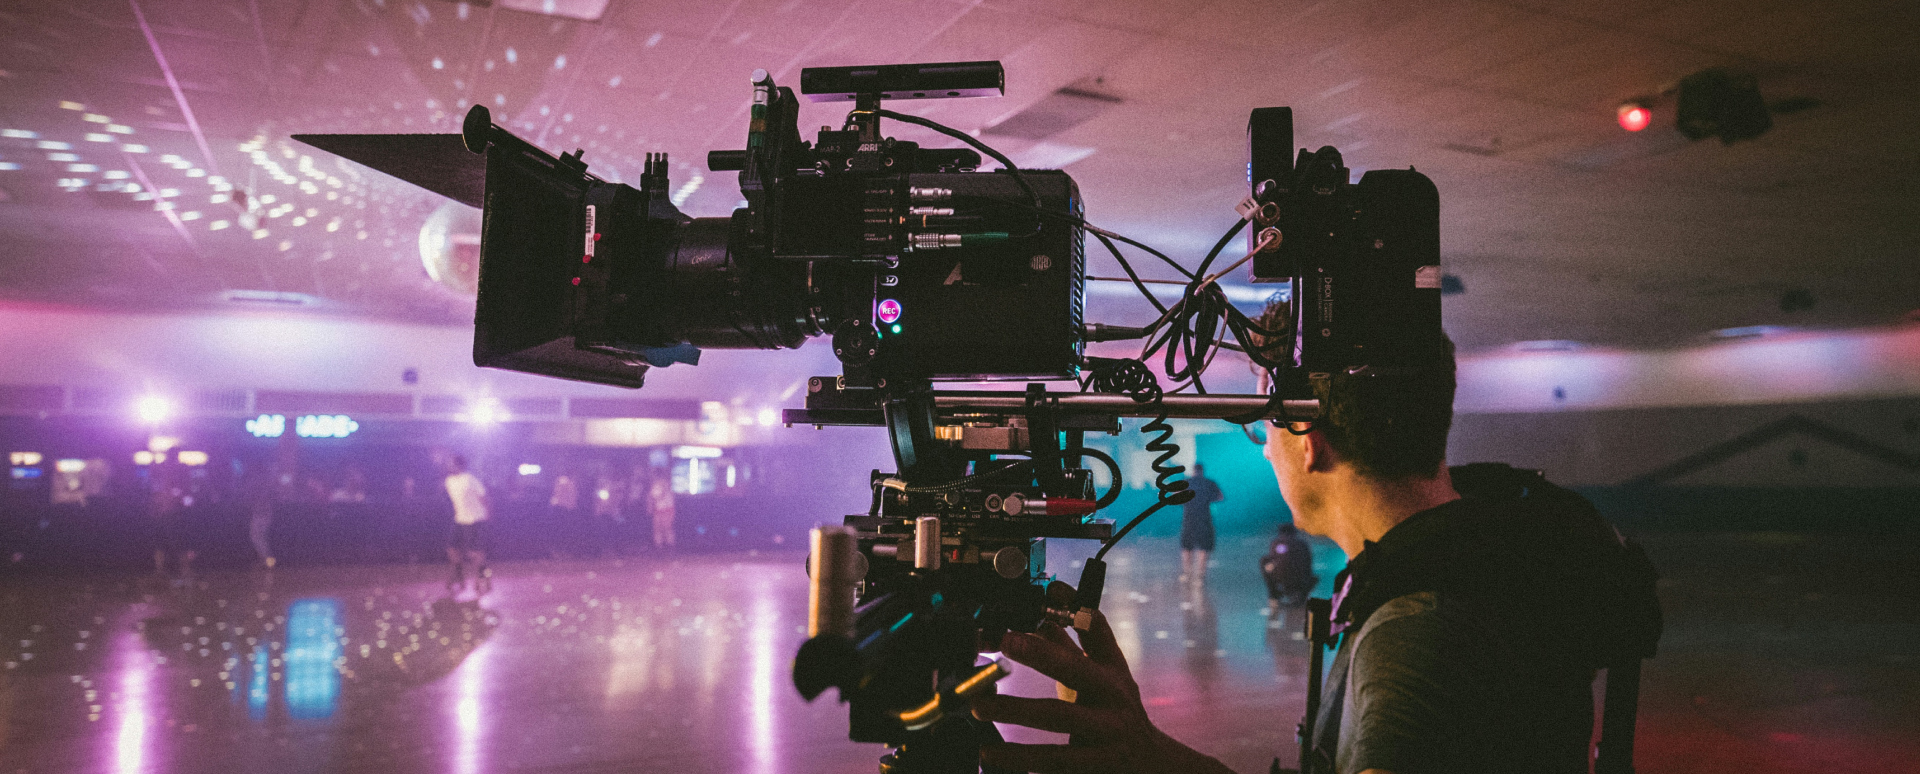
column 855, row 343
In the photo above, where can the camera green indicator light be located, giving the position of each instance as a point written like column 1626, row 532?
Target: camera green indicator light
column 896, row 327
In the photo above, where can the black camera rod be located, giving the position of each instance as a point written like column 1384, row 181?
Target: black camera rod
column 1174, row 406
column 829, row 406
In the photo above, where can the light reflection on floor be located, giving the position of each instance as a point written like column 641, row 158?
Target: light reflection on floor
column 680, row 664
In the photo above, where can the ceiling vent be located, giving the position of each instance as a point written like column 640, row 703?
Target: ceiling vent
column 1054, row 113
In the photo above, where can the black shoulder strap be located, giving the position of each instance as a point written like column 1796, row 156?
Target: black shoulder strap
column 1613, row 754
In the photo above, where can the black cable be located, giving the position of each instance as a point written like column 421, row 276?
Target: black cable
column 1113, row 489
column 1128, row 268
column 1134, row 379
column 1082, row 222
column 1221, row 245
column 961, row 483
column 1195, row 322
column 949, row 131
column 1192, row 330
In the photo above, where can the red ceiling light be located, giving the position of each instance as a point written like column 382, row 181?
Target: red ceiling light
column 1635, row 116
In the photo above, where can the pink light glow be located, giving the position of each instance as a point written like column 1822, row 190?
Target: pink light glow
column 134, row 706
column 762, row 742
column 469, row 712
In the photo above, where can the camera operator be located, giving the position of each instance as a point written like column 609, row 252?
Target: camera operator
column 1466, row 623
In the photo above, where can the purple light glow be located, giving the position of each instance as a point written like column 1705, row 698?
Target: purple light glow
column 469, row 712
column 764, row 678
column 135, row 705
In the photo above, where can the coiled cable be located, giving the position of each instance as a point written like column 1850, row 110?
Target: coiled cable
column 1134, row 379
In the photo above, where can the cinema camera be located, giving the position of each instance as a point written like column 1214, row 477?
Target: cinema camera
column 922, row 270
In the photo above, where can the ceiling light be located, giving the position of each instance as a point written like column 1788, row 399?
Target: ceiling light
column 153, row 409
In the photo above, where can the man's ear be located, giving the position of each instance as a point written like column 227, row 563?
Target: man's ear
column 1319, row 454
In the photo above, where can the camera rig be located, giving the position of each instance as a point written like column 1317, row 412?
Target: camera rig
column 923, row 269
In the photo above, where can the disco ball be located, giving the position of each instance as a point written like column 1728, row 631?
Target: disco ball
column 450, row 248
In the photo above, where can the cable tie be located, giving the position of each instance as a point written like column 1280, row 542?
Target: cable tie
column 1247, row 208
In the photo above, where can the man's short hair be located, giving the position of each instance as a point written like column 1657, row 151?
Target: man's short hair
column 1389, row 425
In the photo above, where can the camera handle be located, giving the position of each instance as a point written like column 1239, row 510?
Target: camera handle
column 1319, row 631
column 1613, row 754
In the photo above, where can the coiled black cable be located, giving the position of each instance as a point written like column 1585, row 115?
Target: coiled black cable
column 1135, row 380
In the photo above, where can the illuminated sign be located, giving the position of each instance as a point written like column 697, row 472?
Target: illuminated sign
column 325, row 426
column 697, row 452
column 529, row 469
column 309, row 426
column 26, row 458
column 267, row 426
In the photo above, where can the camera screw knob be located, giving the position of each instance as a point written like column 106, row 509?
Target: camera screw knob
column 1010, row 562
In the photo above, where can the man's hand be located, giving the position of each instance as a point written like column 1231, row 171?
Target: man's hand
column 1107, row 726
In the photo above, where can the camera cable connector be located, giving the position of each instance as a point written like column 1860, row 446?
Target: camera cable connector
column 976, row 684
column 927, row 241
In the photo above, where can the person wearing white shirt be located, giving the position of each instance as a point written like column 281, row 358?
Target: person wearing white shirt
column 466, row 545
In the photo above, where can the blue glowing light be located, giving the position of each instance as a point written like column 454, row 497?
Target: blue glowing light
column 257, row 684
column 267, row 425
column 325, row 426
column 309, row 426
column 313, row 684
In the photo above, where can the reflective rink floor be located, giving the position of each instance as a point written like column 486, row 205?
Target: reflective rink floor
column 1784, row 653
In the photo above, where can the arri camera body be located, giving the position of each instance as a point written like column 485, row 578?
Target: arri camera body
column 922, row 269
column 918, row 266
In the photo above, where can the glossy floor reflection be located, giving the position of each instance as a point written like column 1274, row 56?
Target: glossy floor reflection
column 680, row 664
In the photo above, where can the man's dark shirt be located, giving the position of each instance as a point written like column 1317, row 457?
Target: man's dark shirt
column 1468, row 641
column 1205, row 494
column 1196, row 522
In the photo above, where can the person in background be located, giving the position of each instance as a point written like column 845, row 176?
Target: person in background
column 563, row 515
column 660, row 503
column 261, row 486
column 1196, row 526
column 1287, row 567
column 419, row 523
column 639, row 496
column 272, row 483
column 465, row 544
column 168, row 496
column 609, row 491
